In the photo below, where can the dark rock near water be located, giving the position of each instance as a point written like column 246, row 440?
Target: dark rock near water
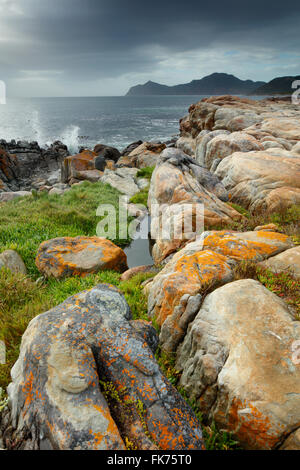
column 23, row 162
column 100, row 163
column 130, row 148
column 108, row 153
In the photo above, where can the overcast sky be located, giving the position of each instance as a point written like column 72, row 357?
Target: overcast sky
column 102, row 47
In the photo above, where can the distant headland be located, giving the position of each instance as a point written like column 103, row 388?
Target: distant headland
column 217, row 84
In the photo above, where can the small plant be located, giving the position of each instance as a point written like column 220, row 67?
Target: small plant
column 141, row 197
column 146, row 172
column 240, row 209
column 133, row 292
column 283, row 284
column 167, row 365
column 214, row 438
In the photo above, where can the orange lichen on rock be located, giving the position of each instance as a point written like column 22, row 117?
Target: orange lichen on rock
column 62, row 257
column 190, row 274
column 74, row 165
column 247, row 246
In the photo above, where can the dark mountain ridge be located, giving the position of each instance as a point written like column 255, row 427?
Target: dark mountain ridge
column 214, row 84
column 277, row 86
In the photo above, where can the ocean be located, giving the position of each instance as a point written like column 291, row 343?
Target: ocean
column 85, row 122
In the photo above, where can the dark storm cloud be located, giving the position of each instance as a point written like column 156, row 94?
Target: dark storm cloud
column 79, row 42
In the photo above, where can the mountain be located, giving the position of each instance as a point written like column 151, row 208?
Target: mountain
column 277, row 86
column 214, row 84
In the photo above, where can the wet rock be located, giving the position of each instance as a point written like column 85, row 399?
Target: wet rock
column 107, row 153
column 29, row 161
column 55, row 396
column 80, row 256
column 237, row 363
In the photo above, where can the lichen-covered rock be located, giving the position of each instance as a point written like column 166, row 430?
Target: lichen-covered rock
column 79, row 256
column 55, row 397
column 177, row 182
column 254, row 246
column 261, row 180
column 12, row 260
column 237, row 363
column 288, row 262
column 73, row 166
column 175, row 292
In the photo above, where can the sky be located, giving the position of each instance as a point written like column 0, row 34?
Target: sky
column 103, row 47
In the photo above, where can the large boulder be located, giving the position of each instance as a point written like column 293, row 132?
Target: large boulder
column 107, row 153
column 79, row 256
column 86, row 379
column 179, row 182
column 175, row 293
column 74, row 166
column 238, row 364
column 12, row 260
column 261, row 180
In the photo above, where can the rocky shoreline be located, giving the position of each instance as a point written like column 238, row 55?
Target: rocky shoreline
column 233, row 338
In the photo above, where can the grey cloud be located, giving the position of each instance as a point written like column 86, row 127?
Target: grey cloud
column 90, row 40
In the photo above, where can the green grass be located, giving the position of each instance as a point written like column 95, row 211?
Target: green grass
column 142, row 196
column 146, row 172
column 25, row 223
column 22, row 299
